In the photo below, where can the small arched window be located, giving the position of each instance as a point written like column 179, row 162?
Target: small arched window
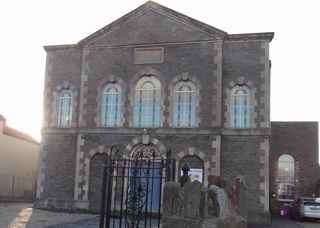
column 184, row 105
column 64, row 109
column 195, row 165
column 240, row 107
column 111, row 106
column 285, row 177
column 147, row 103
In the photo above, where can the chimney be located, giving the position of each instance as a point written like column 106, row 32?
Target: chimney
column 2, row 124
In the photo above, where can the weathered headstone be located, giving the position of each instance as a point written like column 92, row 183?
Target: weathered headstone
column 222, row 199
column 172, row 199
column 192, row 197
column 193, row 206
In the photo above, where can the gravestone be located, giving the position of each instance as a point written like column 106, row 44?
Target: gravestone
column 222, row 200
column 172, row 199
column 193, row 206
column 181, row 205
column 192, row 196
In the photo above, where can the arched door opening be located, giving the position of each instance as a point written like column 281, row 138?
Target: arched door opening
column 195, row 165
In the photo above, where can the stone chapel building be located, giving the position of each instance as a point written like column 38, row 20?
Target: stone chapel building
column 158, row 77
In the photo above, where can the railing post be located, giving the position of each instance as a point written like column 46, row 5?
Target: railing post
column 103, row 193
column 173, row 167
column 13, row 186
column 109, row 193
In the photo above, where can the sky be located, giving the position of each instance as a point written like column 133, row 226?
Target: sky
column 26, row 26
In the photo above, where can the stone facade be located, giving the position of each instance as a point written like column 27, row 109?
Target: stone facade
column 299, row 140
column 186, row 49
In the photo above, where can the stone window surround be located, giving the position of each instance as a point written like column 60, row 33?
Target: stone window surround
column 140, row 94
column 146, row 72
column 233, row 117
column 211, row 162
column 66, row 85
column 127, row 97
column 145, row 139
column 127, row 111
column 184, row 77
column 241, row 81
column 294, row 173
column 110, row 79
column 183, row 160
column 64, row 111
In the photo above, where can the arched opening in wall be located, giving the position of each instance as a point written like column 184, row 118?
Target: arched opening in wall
column 147, row 103
column 146, row 171
column 196, row 166
column 286, row 178
column 240, row 107
column 95, row 181
column 64, row 109
column 145, row 151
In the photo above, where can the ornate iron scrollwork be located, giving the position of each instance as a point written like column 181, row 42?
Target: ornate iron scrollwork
column 136, row 198
column 131, row 188
column 138, row 190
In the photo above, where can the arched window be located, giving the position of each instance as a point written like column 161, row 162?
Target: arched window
column 147, row 103
column 184, row 105
column 240, row 107
column 285, row 177
column 64, row 109
column 111, row 106
column 195, row 165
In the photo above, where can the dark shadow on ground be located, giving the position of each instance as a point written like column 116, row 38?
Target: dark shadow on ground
column 278, row 222
column 88, row 223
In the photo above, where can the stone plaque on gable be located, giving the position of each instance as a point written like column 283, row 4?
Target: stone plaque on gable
column 148, row 55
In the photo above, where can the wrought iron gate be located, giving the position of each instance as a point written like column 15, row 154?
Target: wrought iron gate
column 132, row 189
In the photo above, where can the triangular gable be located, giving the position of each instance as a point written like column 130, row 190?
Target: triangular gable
column 152, row 23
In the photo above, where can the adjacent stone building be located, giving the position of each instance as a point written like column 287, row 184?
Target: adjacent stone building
column 158, row 77
column 19, row 157
column 294, row 163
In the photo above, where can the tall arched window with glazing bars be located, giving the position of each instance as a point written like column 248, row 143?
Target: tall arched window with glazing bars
column 184, row 105
column 147, row 103
column 240, row 107
column 64, row 109
column 111, row 106
column 286, row 177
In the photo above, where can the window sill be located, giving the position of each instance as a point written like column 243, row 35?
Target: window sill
column 285, row 200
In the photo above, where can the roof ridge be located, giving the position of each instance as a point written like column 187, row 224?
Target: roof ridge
column 151, row 5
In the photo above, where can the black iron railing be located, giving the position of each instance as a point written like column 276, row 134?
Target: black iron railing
column 132, row 191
